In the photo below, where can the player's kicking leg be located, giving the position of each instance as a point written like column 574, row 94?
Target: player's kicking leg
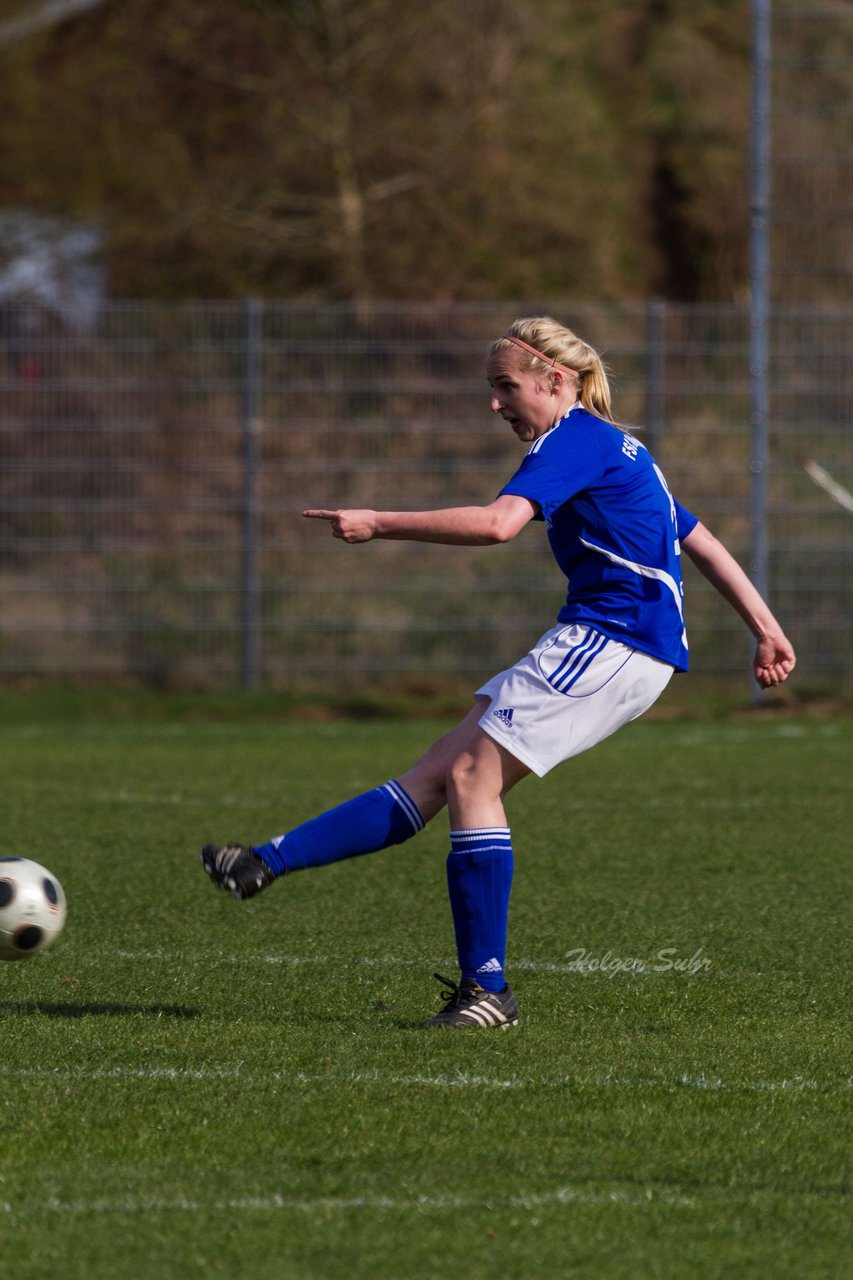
column 474, row 772
column 388, row 815
column 237, row 869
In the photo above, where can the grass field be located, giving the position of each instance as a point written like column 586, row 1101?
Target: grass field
column 195, row 1087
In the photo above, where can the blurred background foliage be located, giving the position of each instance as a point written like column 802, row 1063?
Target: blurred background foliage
column 348, row 149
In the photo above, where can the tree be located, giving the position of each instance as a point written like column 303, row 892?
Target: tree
column 358, row 148
column 28, row 21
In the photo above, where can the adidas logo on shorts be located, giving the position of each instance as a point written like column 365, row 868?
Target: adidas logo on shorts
column 505, row 716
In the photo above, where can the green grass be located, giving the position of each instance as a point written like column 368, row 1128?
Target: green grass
column 193, row 1087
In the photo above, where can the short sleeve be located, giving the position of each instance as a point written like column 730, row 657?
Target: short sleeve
column 685, row 521
column 550, row 477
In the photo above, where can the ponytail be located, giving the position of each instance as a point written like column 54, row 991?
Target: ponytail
column 595, row 391
column 549, row 344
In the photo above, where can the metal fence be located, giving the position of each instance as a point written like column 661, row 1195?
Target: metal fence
column 811, row 137
column 155, row 464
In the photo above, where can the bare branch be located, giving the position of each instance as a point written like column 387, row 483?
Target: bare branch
column 44, row 15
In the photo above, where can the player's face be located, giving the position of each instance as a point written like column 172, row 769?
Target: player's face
column 527, row 401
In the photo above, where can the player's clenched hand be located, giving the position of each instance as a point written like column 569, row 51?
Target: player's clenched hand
column 774, row 661
column 351, row 526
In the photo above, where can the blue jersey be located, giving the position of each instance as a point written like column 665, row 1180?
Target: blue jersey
column 615, row 532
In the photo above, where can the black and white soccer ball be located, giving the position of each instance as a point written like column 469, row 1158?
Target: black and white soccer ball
column 32, row 908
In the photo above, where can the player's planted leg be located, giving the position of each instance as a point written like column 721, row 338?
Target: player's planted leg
column 479, row 880
column 470, row 1005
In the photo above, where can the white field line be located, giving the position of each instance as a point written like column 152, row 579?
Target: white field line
column 459, row 1080
column 566, row 1195
column 574, row 967
column 290, row 961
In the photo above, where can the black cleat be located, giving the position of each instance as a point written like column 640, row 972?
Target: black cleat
column 236, row 869
column 469, row 1005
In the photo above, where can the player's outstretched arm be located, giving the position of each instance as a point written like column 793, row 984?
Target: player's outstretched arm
column 774, row 654
column 500, row 521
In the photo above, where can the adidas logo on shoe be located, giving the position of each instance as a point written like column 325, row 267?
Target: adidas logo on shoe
column 504, row 714
column 236, row 869
column 468, row 1005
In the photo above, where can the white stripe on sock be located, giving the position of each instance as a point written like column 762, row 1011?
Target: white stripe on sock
column 471, row 833
column 406, row 803
column 481, row 838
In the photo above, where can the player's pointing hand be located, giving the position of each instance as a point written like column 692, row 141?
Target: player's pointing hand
column 351, row 526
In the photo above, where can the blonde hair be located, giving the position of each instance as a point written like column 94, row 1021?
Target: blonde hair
column 554, row 344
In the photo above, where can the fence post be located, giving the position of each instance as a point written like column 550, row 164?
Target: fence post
column 250, row 583
column 654, row 374
column 759, row 293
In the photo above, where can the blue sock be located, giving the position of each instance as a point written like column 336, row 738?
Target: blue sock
column 374, row 820
column 479, row 878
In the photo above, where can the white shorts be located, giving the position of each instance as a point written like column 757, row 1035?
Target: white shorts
column 572, row 690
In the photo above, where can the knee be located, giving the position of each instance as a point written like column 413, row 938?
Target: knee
column 426, row 783
column 466, row 777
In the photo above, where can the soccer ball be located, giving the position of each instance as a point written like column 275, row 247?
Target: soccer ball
column 32, row 908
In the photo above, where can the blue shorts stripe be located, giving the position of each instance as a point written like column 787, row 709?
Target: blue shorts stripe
column 575, row 649
column 581, row 656
column 579, row 672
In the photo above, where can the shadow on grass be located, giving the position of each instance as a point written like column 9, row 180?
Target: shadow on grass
column 67, row 1009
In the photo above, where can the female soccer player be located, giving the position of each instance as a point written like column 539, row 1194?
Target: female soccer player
column 616, row 532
